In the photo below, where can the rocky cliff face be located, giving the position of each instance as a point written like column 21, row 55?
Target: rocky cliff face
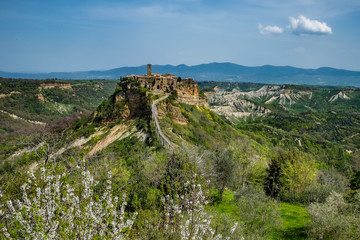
column 175, row 112
column 128, row 101
column 266, row 94
column 134, row 98
column 234, row 107
column 2, row 95
column 131, row 98
column 135, row 103
column 340, row 95
column 188, row 92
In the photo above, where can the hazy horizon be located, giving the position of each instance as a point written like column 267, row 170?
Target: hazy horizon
column 175, row 65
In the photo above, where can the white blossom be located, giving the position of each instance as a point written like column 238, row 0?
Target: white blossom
column 186, row 215
column 53, row 208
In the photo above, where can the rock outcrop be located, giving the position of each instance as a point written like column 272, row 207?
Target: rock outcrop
column 61, row 85
column 2, row 95
column 40, row 97
column 340, row 95
column 126, row 103
column 237, row 103
column 267, row 94
column 232, row 106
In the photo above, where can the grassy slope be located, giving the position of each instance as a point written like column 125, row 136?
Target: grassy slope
column 208, row 130
column 294, row 220
column 227, row 206
column 294, row 217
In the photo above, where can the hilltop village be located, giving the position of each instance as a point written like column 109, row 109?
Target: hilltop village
column 187, row 89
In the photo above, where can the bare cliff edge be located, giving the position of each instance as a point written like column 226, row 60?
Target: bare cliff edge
column 133, row 92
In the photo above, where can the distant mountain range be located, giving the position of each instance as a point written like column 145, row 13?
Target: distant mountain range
column 219, row 72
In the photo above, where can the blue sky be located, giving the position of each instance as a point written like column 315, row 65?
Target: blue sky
column 69, row 35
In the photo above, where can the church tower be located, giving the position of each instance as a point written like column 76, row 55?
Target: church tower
column 149, row 69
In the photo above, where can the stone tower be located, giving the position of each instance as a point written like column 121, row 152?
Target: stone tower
column 149, row 69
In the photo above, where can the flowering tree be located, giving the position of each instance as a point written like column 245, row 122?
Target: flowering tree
column 186, row 215
column 51, row 208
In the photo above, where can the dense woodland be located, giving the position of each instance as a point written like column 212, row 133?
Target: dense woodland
column 291, row 174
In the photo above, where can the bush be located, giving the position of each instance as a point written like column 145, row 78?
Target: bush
column 328, row 180
column 314, row 193
column 259, row 213
column 332, row 219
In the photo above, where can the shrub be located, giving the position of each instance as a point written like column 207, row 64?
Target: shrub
column 328, row 180
column 259, row 213
column 332, row 219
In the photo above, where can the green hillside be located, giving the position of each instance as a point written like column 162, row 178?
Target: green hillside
column 288, row 173
column 25, row 99
column 25, row 106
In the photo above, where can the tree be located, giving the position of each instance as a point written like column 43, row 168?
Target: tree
column 250, row 169
column 355, row 181
column 178, row 170
column 51, row 208
column 289, row 172
column 354, row 191
column 298, row 173
column 224, row 167
column 46, row 144
column 273, row 184
column 185, row 217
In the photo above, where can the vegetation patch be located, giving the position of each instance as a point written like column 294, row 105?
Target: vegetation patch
column 294, row 218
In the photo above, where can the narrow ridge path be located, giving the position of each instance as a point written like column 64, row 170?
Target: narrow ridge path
column 26, row 120
column 163, row 139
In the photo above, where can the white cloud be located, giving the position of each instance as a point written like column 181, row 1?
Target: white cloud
column 306, row 26
column 266, row 30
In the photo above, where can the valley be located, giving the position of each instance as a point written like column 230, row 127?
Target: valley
column 277, row 161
